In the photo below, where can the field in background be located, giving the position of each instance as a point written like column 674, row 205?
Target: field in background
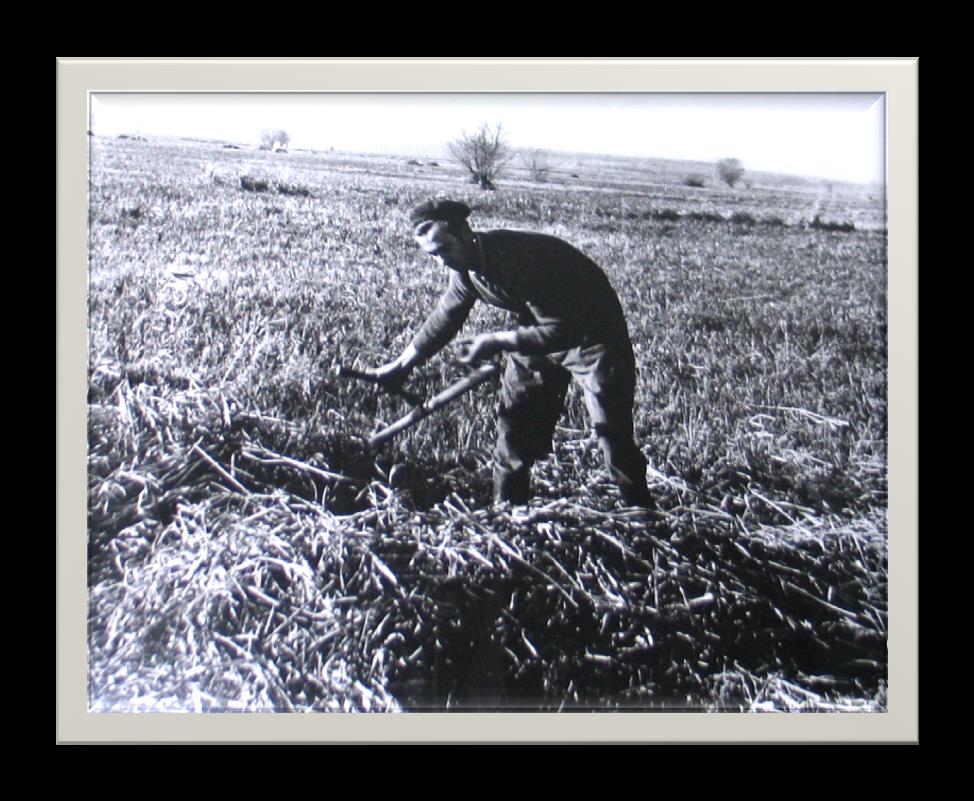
column 246, row 552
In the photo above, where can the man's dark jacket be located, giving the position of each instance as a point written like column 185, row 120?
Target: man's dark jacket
column 561, row 298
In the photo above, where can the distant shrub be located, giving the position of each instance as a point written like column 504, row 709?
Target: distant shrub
column 743, row 218
column 730, row 171
column 275, row 139
column 697, row 181
column 536, row 163
column 292, row 189
column 483, row 154
column 705, row 216
column 825, row 225
column 666, row 214
column 249, row 184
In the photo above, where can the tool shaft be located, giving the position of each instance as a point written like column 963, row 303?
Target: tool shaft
column 437, row 402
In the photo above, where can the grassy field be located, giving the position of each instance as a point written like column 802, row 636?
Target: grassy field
column 247, row 552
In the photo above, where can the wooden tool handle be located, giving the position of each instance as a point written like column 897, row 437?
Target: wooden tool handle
column 438, row 401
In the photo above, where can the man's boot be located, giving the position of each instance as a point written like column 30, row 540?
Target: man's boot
column 512, row 485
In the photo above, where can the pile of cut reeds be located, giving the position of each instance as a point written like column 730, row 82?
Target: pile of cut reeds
column 563, row 605
column 223, row 610
column 267, row 601
column 225, row 575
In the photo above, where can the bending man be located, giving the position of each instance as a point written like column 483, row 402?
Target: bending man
column 570, row 325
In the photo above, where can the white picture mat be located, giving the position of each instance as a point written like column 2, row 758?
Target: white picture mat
column 76, row 78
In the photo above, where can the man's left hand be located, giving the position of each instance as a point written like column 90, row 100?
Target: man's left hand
column 482, row 346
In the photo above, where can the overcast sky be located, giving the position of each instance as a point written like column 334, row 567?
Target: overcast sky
column 838, row 136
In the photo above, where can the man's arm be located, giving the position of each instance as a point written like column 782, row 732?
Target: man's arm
column 528, row 339
column 446, row 319
column 547, row 336
column 483, row 346
column 440, row 327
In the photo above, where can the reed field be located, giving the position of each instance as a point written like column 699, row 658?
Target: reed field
column 248, row 552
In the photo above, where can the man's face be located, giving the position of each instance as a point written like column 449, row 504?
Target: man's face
column 443, row 243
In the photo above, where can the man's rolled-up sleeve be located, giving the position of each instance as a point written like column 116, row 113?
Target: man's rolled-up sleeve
column 446, row 319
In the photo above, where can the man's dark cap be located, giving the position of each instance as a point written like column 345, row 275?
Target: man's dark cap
column 450, row 211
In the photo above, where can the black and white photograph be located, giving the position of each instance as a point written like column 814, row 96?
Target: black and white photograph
column 408, row 402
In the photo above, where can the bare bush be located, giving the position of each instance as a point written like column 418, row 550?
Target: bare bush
column 730, row 171
column 536, row 163
column 274, row 139
column 483, row 154
column 697, row 181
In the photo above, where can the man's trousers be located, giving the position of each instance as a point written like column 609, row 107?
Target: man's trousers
column 532, row 398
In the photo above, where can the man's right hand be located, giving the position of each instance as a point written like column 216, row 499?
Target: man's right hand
column 394, row 374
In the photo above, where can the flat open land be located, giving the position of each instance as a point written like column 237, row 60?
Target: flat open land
column 246, row 550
